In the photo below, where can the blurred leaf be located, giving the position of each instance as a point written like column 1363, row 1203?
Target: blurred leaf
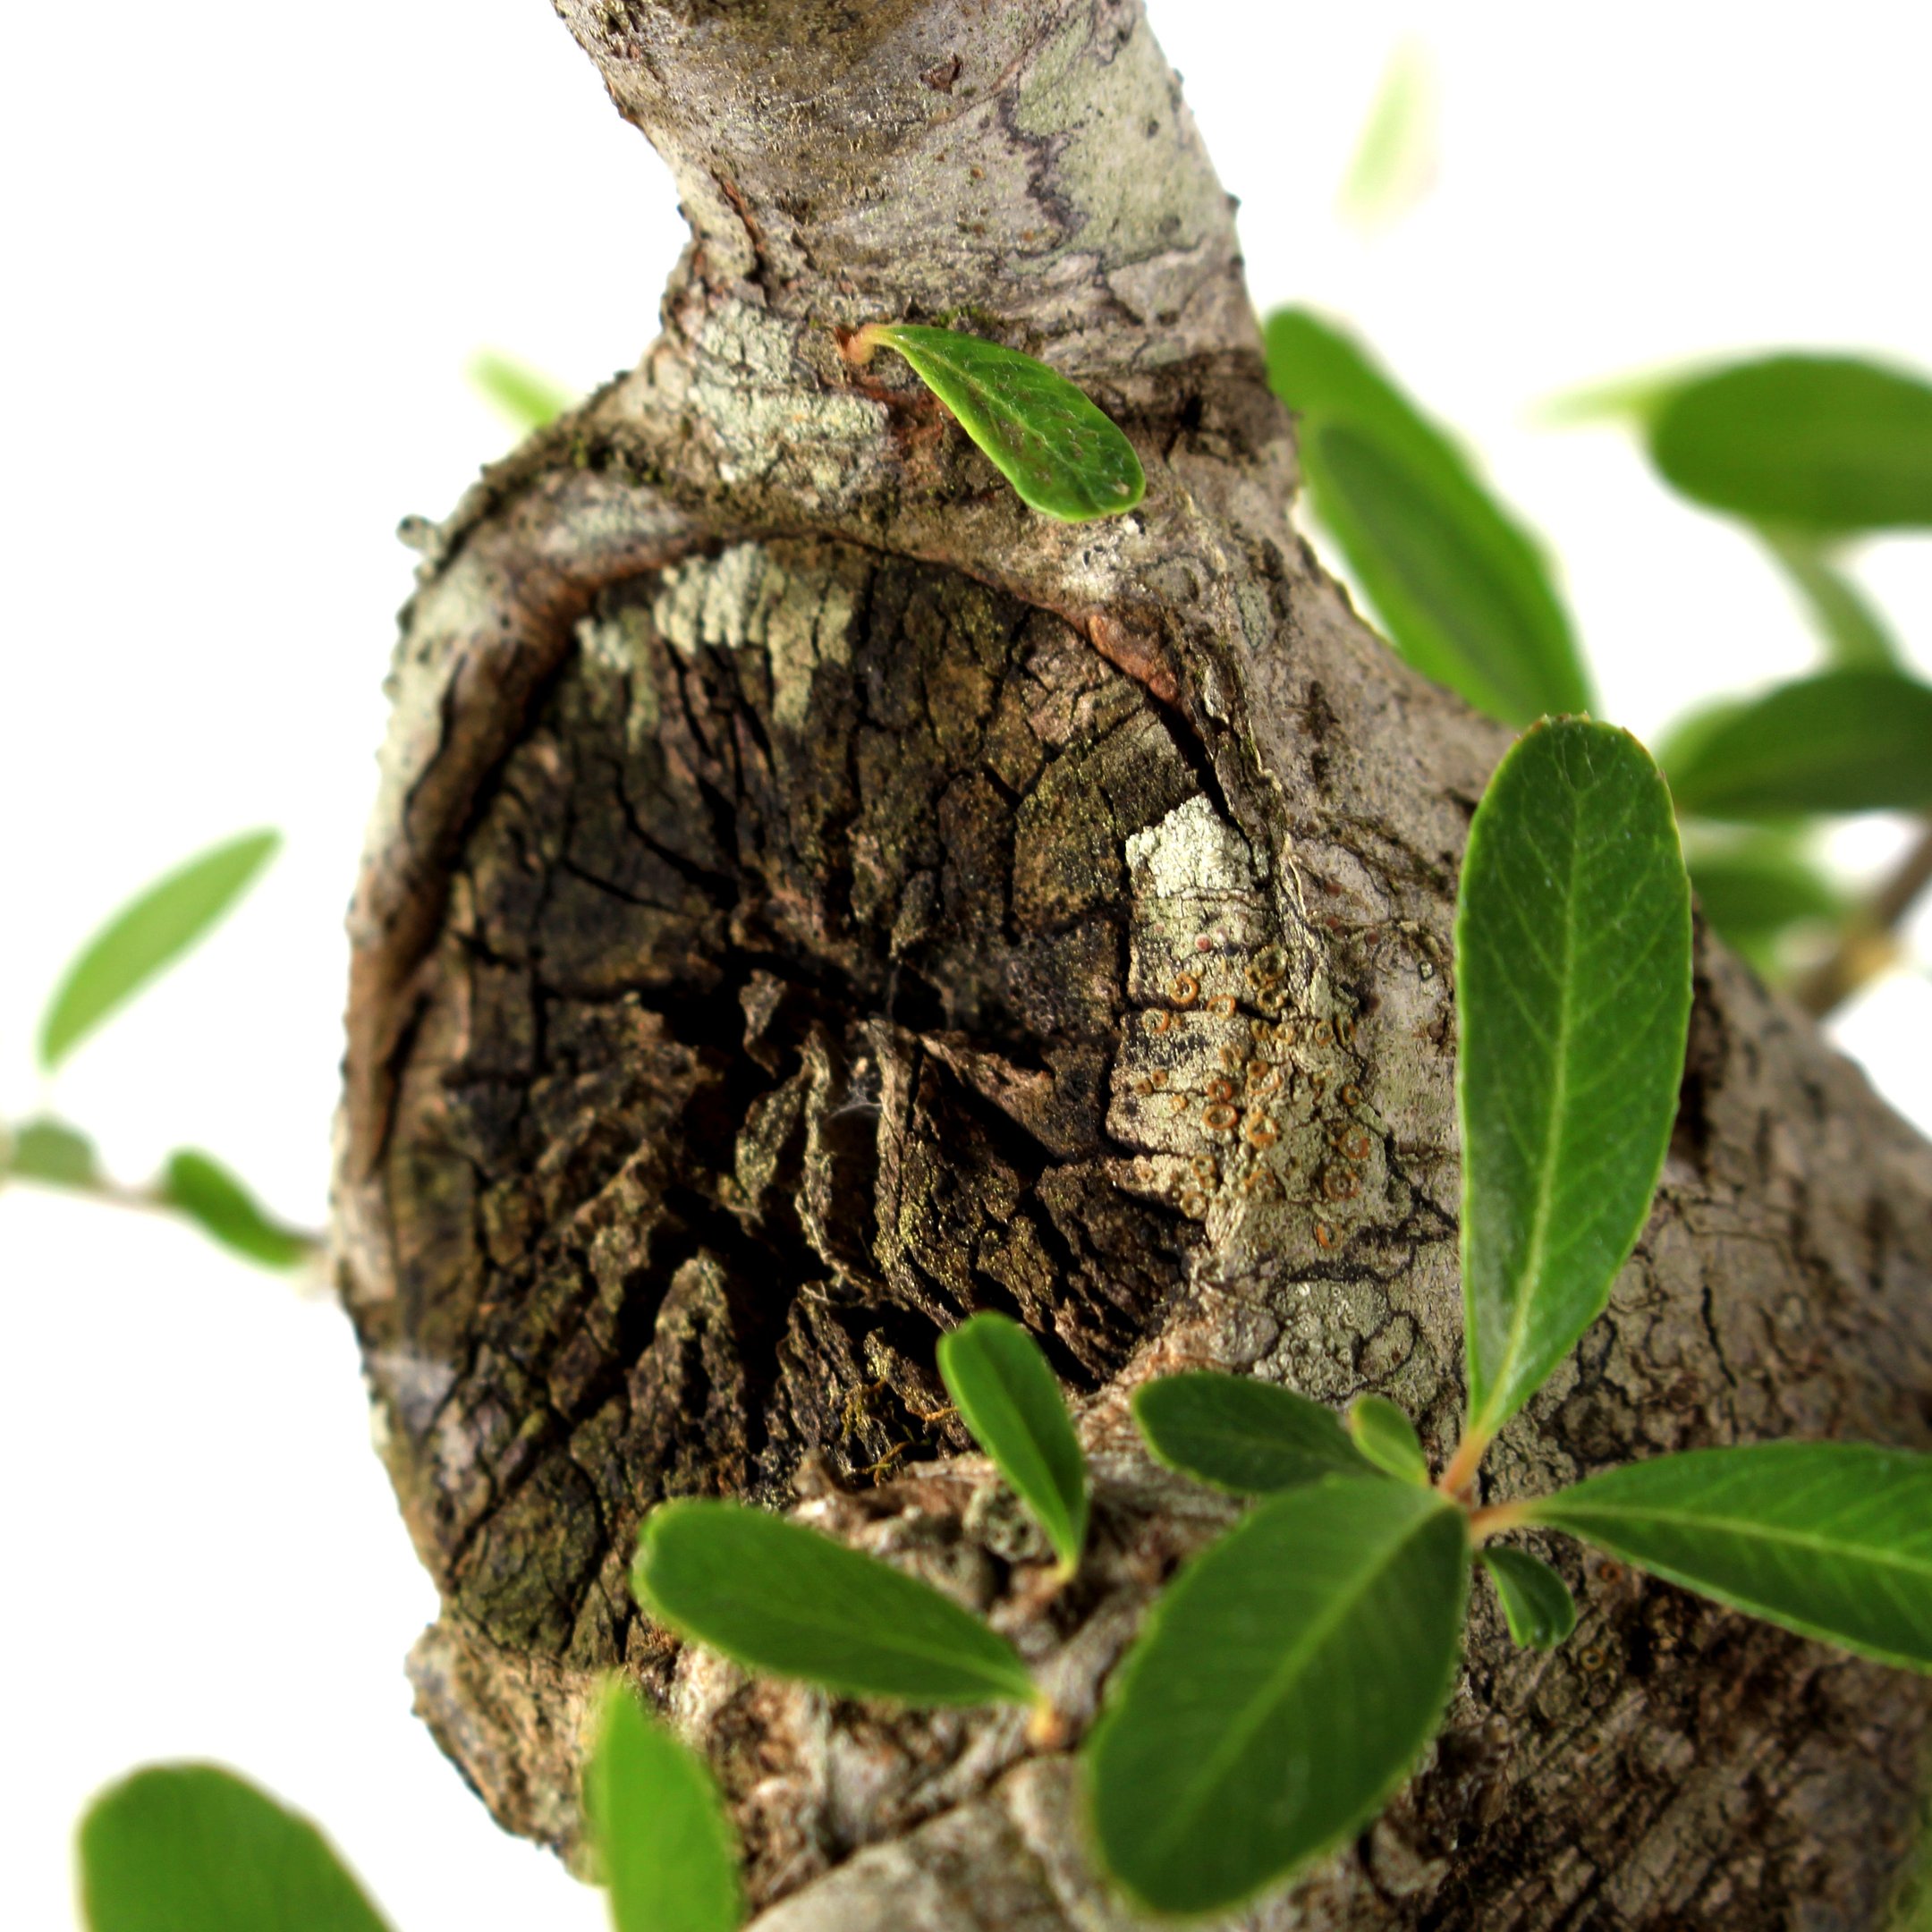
column 1833, row 1540
column 1840, row 742
column 1282, row 1688
column 1046, row 437
column 1635, row 398
column 224, row 1209
column 51, row 1151
column 1008, row 1395
column 1242, row 1434
column 1537, row 1602
column 1756, row 890
column 776, row 1596
column 148, row 935
column 189, row 1848
column 1388, row 1439
column 1825, row 444
column 529, row 400
column 1395, row 161
column 1855, row 636
column 665, row 1848
column 1464, row 593
column 1573, row 1001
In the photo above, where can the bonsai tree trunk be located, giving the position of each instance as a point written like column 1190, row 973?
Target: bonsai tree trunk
column 812, row 897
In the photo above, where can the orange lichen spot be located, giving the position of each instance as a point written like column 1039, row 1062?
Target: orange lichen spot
column 1339, row 1184
column 1219, row 1118
column 1323, row 1034
column 1350, row 1094
column 1262, row 1131
column 1206, row 1166
column 1194, row 1206
column 1143, row 1088
column 1220, row 1089
column 1264, row 1077
column 1231, row 1058
column 1354, row 1143
column 1324, row 1235
column 1224, row 1006
column 1185, row 991
column 1158, row 1019
column 1158, row 1077
column 1259, row 1181
column 1318, row 1079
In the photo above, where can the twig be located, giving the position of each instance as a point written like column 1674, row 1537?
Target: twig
column 1867, row 945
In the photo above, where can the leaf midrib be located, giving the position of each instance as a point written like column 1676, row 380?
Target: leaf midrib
column 1754, row 1528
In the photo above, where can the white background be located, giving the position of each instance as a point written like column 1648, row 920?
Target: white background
column 249, row 250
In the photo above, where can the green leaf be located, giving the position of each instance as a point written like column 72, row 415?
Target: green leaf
column 49, row 1151
column 531, row 400
column 1462, row 590
column 1395, row 159
column 1044, row 435
column 1008, row 1395
column 189, row 1848
column 1855, row 635
column 1825, row 444
column 1755, row 890
column 664, row 1846
column 1388, row 1439
column 1537, row 1602
column 778, row 1597
column 148, row 935
column 1840, row 742
column 1283, row 1687
column 1572, row 1002
column 224, row 1209
column 1241, row 1434
column 1833, row 1540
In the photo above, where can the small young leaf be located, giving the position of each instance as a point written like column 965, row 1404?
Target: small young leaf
column 49, row 1151
column 146, row 936
column 1282, row 1690
column 1008, row 1395
column 1056, row 448
column 1855, row 636
column 1395, row 159
column 1833, row 1540
column 224, row 1210
column 1841, row 741
column 1537, row 1602
column 665, row 1848
column 1464, row 593
column 776, row 1597
column 1388, row 1439
column 529, row 400
column 176, row 1846
column 1572, row 1002
column 1824, row 444
column 1242, row 1434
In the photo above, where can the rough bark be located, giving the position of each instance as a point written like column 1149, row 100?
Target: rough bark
column 811, row 898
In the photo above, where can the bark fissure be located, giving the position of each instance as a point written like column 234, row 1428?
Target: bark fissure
column 811, row 898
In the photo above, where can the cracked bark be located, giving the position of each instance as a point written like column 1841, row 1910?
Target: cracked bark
column 810, row 898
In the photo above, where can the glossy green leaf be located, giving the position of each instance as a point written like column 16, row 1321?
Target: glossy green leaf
column 1831, row 1540
column 1395, row 159
column 148, row 935
column 1048, row 439
column 1855, row 635
column 211, row 1196
column 1572, row 1002
column 529, row 401
column 1841, row 741
column 1008, row 1395
column 1537, row 1602
column 778, row 1597
column 665, row 1848
column 1463, row 591
column 1387, row 1437
column 48, row 1151
column 189, row 1848
column 1282, row 1688
column 1825, row 444
column 1242, row 1434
